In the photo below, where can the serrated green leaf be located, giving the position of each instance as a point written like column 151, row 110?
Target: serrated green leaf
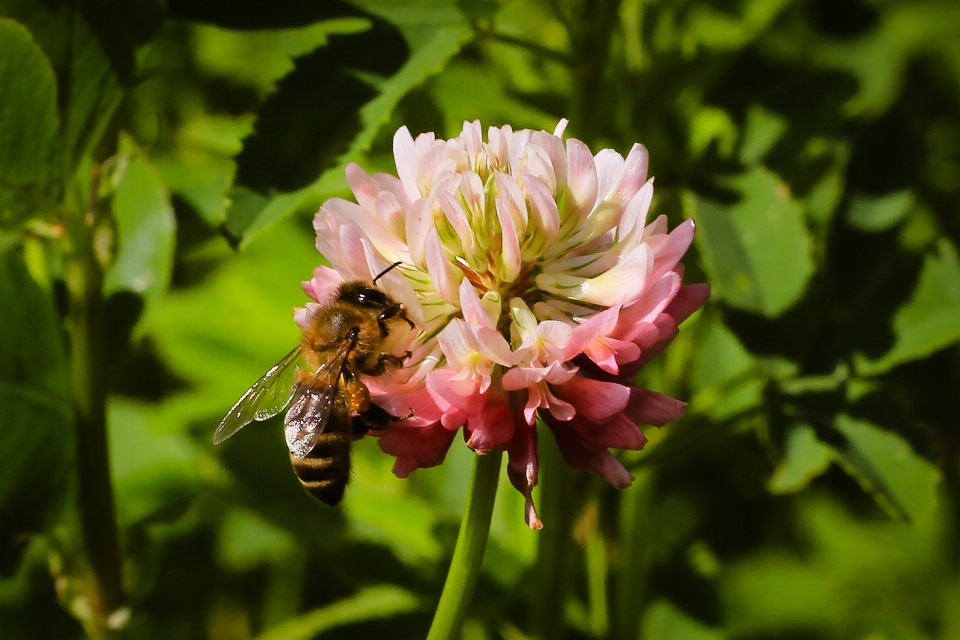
column 369, row 604
column 804, row 458
column 435, row 33
column 29, row 170
column 146, row 228
column 902, row 482
column 757, row 251
column 930, row 320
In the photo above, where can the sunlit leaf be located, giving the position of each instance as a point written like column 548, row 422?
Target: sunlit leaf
column 930, row 320
column 369, row 604
column 901, row 482
column 757, row 251
column 146, row 228
column 804, row 458
column 881, row 213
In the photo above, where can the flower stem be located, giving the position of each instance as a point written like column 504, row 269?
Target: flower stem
column 557, row 509
column 468, row 554
column 103, row 587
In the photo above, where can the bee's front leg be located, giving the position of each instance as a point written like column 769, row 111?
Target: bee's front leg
column 375, row 418
column 393, row 311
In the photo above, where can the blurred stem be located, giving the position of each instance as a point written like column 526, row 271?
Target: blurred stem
column 468, row 554
column 557, row 511
column 591, row 35
column 632, row 566
column 102, row 586
column 595, row 548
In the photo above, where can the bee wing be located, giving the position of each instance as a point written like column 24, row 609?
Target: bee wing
column 313, row 404
column 266, row 398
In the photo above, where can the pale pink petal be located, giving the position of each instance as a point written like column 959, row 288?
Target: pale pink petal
column 609, row 167
column 581, row 181
column 632, row 176
column 419, row 223
column 362, row 186
column 635, row 213
column 546, row 215
column 403, row 157
column 323, row 285
column 669, row 248
column 445, row 277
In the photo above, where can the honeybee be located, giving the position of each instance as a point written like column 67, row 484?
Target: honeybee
column 329, row 404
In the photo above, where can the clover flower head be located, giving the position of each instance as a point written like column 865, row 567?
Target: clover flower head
column 537, row 283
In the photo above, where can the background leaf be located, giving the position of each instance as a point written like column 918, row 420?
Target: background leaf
column 28, row 125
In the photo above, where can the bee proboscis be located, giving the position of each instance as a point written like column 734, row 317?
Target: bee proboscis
column 329, row 405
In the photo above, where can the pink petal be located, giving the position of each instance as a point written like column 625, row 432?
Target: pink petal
column 594, row 400
column 493, row 427
column 647, row 308
column 670, row 248
column 651, row 407
column 690, row 298
column 421, row 403
column 599, row 324
column 598, row 461
column 415, row 447
column 522, row 469
column 617, row 433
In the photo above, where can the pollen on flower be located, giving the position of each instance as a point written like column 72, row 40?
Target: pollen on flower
column 539, row 287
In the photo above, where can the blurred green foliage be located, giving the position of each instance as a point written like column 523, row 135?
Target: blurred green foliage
column 812, row 490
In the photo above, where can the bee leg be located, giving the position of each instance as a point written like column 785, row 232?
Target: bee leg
column 393, row 311
column 383, row 360
column 375, row 418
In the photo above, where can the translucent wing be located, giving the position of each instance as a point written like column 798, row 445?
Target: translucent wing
column 313, row 404
column 266, row 398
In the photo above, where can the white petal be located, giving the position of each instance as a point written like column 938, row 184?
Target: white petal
column 446, row 278
column 581, row 180
column 510, row 244
column 403, row 157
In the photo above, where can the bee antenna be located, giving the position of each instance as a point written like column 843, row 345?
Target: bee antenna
column 387, row 270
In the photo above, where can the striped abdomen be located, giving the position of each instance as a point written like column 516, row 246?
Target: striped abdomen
column 325, row 471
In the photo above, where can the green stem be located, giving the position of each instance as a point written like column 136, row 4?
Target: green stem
column 633, row 566
column 468, row 554
column 553, row 548
column 103, row 587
